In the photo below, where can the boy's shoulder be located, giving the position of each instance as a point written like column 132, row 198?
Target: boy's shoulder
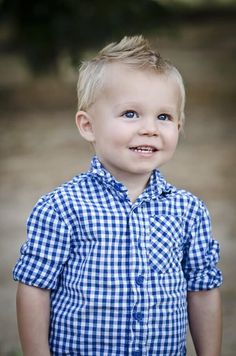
column 63, row 197
column 178, row 193
column 190, row 205
column 181, row 200
column 182, row 193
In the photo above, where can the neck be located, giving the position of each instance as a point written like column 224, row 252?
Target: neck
column 133, row 195
column 136, row 185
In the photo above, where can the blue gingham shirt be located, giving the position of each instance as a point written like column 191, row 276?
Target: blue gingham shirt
column 118, row 272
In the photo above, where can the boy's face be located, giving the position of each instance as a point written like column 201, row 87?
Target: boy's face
column 134, row 122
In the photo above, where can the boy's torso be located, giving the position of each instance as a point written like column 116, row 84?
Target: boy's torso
column 124, row 276
column 117, row 281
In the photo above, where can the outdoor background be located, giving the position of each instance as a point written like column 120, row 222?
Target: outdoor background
column 41, row 43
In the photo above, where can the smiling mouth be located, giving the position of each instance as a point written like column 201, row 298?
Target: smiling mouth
column 143, row 149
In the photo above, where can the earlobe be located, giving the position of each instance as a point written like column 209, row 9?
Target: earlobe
column 84, row 125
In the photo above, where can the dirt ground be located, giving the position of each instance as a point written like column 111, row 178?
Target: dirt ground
column 40, row 148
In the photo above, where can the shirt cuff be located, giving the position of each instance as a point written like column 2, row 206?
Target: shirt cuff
column 36, row 272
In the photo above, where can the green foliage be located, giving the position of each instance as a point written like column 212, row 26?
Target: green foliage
column 43, row 29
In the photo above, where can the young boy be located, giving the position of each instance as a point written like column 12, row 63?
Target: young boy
column 117, row 258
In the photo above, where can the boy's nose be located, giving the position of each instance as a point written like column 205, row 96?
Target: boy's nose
column 149, row 127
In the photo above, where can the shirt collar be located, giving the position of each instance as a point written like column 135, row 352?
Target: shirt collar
column 157, row 185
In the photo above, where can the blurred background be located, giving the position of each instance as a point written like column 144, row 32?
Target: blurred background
column 41, row 45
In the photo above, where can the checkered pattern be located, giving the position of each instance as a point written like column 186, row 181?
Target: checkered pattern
column 118, row 272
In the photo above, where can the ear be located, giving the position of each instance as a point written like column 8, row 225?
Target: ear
column 84, row 125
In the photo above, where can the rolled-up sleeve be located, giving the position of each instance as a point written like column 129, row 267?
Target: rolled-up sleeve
column 202, row 255
column 46, row 249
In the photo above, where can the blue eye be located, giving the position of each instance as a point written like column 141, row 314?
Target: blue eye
column 164, row 117
column 130, row 114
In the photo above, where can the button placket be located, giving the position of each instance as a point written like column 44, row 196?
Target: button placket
column 138, row 280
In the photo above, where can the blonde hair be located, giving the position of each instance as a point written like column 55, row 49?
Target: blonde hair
column 134, row 51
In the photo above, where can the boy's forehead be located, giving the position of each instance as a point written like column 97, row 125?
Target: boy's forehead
column 125, row 83
column 118, row 69
column 116, row 75
column 115, row 72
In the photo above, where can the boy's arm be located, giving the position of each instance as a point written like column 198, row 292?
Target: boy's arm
column 33, row 309
column 205, row 321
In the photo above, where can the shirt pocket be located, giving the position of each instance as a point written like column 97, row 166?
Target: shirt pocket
column 165, row 247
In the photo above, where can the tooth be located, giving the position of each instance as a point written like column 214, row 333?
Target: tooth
column 143, row 149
